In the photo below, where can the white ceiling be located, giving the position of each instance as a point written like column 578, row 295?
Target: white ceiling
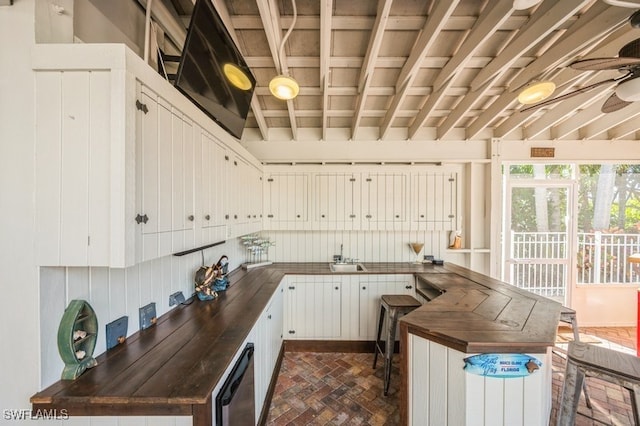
column 424, row 70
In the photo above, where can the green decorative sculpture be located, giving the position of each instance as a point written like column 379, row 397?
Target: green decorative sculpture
column 77, row 336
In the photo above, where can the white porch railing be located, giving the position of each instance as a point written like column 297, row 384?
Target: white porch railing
column 602, row 259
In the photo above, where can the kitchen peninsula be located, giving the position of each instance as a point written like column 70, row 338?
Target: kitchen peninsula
column 176, row 367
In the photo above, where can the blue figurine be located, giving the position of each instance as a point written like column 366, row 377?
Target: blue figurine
column 221, row 281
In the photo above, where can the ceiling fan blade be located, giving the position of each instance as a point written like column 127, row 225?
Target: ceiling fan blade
column 568, row 95
column 599, row 64
column 613, row 103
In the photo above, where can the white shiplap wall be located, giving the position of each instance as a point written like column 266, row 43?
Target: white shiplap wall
column 116, row 292
column 366, row 246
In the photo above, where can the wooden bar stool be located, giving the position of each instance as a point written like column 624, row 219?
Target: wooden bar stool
column 391, row 305
column 605, row 364
column 568, row 316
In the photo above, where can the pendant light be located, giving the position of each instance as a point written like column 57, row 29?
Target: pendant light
column 284, row 86
column 536, row 91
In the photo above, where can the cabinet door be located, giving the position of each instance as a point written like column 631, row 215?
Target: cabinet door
column 337, row 201
column 286, row 201
column 212, row 190
column 312, row 308
column 435, row 200
column 385, row 200
column 371, row 289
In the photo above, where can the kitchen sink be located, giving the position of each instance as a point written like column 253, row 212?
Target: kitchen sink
column 347, row 267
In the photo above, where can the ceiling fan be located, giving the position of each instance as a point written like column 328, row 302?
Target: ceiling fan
column 627, row 89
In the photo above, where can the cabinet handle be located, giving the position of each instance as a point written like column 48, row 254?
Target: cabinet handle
column 298, row 216
column 408, row 287
column 368, row 179
column 292, row 287
column 292, row 332
column 337, row 288
column 421, row 215
column 226, row 216
column 191, row 217
column 235, row 216
column 207, row 217
column 364, row 288
column 352, row 216
column 269, row 215
column 269, row 316
column 142, row 219
column 248, row 216
column 397, row 216
column 369, row 216
column 141, row 107
column 322, row 215
column 451, row 216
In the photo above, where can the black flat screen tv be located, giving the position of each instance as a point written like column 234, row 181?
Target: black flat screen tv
column 200, row 77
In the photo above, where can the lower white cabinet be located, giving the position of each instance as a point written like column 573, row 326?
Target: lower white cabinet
column 267, row 335
column 341, row 307
column 371, row 288
column 312, row 306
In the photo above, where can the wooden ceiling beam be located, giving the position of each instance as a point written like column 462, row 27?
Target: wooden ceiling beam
column 609, row 121
column 326, row 12
column 576, row 121
column 370, row 62
column 492, row 18
column 549, row 16
column 433, row 26
column 610, row 44
column 599, row 21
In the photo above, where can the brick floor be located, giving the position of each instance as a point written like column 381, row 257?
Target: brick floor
column 343, row 389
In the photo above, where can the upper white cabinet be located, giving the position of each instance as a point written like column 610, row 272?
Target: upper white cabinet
column 435, row 200
column 286, row 201
column 385, row 201
column 368, row 198
column 337, row 200
column 128, row 169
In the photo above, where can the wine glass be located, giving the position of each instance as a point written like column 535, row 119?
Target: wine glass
column 417, row 248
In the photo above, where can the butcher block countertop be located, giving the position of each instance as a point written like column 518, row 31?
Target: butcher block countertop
column 173, row 367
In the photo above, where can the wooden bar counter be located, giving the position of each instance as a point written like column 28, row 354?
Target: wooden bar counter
column 470, row 313
column 175, row 367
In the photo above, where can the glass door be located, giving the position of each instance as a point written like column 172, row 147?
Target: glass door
column 538, row 237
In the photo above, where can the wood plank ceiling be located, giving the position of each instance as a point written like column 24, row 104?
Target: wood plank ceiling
column 429, row 69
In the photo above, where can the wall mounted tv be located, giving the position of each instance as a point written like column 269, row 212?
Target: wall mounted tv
column 212, row 72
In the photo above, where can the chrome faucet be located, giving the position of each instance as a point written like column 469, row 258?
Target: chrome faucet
column 338, row 258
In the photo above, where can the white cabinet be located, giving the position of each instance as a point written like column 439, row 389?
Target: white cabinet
column 371, row 287
column 127, row 168
column 435, row 200
column 384, row 201
column 312, row 307
column 267, row 335
column 165, row 171
column 211, row 186
column 337, row 201
column 286, row 199
column 244, row 197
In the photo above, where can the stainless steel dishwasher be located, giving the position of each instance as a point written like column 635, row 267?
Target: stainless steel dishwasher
column 235, row 403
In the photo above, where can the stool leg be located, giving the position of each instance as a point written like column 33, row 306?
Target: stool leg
column 635, row 402
column 576, row 338
column 376, row 347
column 573, row 380
column 391, row 340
